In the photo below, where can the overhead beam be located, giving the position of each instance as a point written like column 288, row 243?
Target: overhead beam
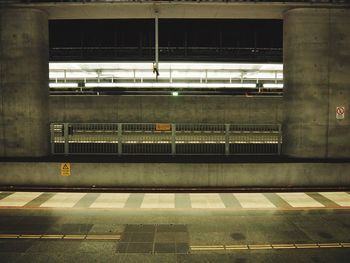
column 171, row 10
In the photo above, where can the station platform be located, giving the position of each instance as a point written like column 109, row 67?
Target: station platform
column 176, row 201
column 174, row 227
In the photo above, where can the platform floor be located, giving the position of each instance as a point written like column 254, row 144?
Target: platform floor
column 235, row 201
column 176, row 228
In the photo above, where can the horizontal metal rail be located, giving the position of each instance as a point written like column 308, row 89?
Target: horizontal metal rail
column 165, row 139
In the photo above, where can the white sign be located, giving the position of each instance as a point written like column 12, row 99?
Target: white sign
column 340, row 112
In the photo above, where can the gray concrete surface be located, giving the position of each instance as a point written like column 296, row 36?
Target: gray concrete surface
column 149, row 236
column 23, row 83
column 179, row 9
column 192, row 109
column 316, row 80
column 177, row 174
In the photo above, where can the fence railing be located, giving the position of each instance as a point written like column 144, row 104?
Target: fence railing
column 165, row 139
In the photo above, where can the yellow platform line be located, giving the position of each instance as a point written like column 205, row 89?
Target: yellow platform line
column 103, row 237
column 75, row 237
column 270, row 246
column 306, row 245
column 255, row 247
column 52, row 236
column 236, row 247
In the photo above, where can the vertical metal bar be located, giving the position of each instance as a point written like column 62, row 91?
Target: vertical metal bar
column 279, row 139
column 66, row 138
column 227, row 139
column 52, row 139
column 120, row 146
column 173, row 139
column 156, row 56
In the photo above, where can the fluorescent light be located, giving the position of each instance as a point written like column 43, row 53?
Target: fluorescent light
column 175, row 93
column 165, row 66
column 169, row 85
column 273, row 85
column 63, row 85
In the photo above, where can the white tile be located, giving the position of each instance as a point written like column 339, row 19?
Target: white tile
column 206, row 201
column 158, row 201
column 253, row 200
column 300, row 200
column 340, row 198
column 63, row 200
column 110, row 201
column 19, row 198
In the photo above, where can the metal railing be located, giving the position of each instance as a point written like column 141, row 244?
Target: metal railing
column 165, row 139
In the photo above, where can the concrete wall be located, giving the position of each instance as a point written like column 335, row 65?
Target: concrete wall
column 200, row 109
column 177, row 174
column 23, row 83
column 316, row 81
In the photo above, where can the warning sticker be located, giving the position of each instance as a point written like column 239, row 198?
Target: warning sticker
column 340, row 112
column 65, row 169
column 163, row 127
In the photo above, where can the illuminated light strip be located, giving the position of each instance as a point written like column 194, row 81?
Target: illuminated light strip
column 113, row 66
column 273, row 85
column 169, row 85
column 63, row 85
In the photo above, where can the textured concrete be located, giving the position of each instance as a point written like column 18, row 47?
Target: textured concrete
column 316, row 68
column 202, row 109
column 150, row 236
column 179, row 9
column 177, row 174
column 23, row 82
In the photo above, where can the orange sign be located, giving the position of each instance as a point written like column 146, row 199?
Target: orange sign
column 163, row 126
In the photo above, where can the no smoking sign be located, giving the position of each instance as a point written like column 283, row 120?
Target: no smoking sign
column 340, row 113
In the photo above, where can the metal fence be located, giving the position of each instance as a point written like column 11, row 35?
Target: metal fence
column 165, row 139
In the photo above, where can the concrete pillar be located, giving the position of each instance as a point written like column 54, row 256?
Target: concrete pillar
column 24, row 125
column 316, row 78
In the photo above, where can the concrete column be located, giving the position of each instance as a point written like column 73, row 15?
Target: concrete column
column 316, row 78
column 24, row 125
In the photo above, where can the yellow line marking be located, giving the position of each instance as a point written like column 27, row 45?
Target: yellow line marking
column 8, row 236
column 306, row 246
column 345, row 244
column 236, row 247
column 74, row 237
column 283, row 246
column 329, row 245
column 103, row 237
column 208, row 247
column 30, row 236
column 260, row 247
column 52, row 236
column 270, row 246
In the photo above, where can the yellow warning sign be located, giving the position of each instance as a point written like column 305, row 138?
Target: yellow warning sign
column 65, row 169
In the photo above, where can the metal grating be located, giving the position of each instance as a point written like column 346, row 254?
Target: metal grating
column 165, row 138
